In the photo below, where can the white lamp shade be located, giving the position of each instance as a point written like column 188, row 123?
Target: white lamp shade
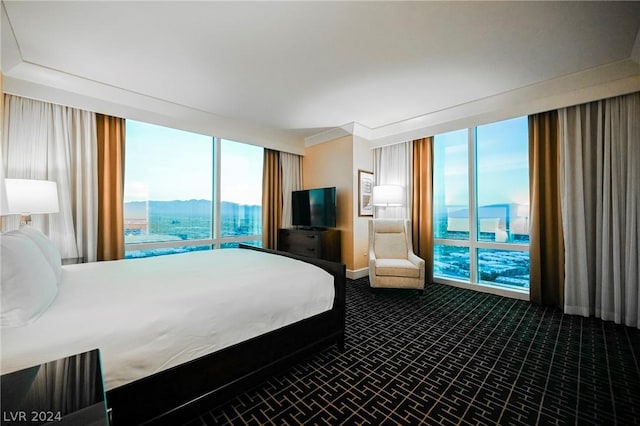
column 4, row 204
column 388, row 195
column 30, row 196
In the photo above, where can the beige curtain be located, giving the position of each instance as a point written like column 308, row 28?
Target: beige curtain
column 271, row 198
column 291, row 165
column 546, row 245
column 111, row 144
column 422, row 203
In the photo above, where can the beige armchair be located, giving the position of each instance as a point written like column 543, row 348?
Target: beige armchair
column 392, row 263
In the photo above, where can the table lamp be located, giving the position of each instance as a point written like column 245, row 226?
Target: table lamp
column 29, row 196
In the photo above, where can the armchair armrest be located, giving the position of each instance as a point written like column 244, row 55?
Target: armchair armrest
column 372, row 259
column 413, row 258
column 418, row 261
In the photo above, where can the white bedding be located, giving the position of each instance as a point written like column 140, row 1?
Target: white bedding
column 146, row 315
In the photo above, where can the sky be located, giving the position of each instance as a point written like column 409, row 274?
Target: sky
column 168, row 164
column 241, row 174
column 164, row 164
column 502, row 161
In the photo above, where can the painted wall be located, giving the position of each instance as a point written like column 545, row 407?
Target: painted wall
column 336, row 163
column 362, row 160
column 331, row 164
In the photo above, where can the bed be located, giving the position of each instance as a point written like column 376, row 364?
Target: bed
column 184, row 332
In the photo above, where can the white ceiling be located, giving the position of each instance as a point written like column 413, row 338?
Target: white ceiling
column 307, row 66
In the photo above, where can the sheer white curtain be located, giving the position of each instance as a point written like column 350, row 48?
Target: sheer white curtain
column 291, row 165
column 53, row 142
column 392, row 166
column 601, row 208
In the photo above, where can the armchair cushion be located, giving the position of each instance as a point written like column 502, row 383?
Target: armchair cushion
column 390, row 245
column 397, row 268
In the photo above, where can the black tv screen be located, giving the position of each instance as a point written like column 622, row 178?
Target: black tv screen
column 314, row 208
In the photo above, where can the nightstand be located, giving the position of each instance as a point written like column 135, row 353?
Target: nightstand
column 66, row 392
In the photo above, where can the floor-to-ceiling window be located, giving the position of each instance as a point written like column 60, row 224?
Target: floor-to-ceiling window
column 186, row 192
column 240, row 193
column 481, row 205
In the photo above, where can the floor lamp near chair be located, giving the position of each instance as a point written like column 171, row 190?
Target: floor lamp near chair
column 25, row 197
column 388, row 196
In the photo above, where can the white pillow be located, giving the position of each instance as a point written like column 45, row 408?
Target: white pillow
column 47, row 247
column 27, row 282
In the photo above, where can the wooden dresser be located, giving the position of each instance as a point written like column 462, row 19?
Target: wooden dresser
column 319, row 244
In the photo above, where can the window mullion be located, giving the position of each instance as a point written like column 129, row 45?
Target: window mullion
column 473, row 196
column 216, row 223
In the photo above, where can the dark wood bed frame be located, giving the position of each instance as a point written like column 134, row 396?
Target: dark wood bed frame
column 182, row 392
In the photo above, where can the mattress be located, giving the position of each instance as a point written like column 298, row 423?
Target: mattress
column 146, row 315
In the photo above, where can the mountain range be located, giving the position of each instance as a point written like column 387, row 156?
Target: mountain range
column 186, row 207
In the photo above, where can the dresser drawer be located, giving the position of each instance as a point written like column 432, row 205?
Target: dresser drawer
column 323, row 244
column 304, row 251
column 302, row 239
column 301, row 243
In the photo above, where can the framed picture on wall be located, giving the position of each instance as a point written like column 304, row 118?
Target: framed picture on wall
column 365, row 192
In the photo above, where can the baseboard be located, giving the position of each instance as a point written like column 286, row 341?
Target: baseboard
column 358, row 273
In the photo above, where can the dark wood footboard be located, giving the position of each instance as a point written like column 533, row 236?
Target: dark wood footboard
column 183, row 391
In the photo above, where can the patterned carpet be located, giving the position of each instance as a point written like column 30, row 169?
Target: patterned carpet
column 453, row 357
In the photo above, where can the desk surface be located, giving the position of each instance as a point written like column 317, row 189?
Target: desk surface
column 65, row 392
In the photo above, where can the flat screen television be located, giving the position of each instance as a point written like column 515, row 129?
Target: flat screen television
column 314, row 208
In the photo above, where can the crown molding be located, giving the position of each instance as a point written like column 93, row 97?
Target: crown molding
column 609, row 80
column 601, row 82
column 41, row 83
column 11, row 55
column 349, row 129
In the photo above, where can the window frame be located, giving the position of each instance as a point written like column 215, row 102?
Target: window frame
column 217, row 240
column 474, row 243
